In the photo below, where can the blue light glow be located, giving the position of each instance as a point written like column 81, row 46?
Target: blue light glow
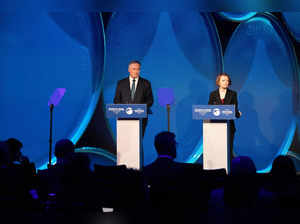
column 237, row 17
column 284, row 147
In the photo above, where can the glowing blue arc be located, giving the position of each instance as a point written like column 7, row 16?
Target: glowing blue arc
column 237, row 17
column 77, row 133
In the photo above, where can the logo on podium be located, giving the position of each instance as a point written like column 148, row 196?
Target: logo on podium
column 216, row 111
column 126, row 110
column 129, row 111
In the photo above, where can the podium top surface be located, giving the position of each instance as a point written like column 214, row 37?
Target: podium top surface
column 126, row 111
column 214, row 112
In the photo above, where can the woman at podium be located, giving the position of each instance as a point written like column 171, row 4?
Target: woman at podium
column 225, row 96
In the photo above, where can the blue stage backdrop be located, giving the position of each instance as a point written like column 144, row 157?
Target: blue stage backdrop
column 179, row 50
column 39, row 53
column 292, row 20
column 263, row 73
column 182, row 51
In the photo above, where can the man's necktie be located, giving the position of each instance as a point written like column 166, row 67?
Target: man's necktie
column 132, row 89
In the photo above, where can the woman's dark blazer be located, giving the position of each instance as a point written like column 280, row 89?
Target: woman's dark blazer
column 230, row 99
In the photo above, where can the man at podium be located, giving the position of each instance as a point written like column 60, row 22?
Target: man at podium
column 222, row 96
column 134, row 90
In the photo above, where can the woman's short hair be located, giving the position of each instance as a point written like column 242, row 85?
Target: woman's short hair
column 219, row 77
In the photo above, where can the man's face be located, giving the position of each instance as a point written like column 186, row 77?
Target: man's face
column 134, row 70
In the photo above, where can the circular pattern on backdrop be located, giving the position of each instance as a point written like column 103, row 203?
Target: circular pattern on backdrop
column 182, row 51
column 264, row 74
column 39, row 53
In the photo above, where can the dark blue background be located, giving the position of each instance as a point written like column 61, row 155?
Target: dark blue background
column 183, row 51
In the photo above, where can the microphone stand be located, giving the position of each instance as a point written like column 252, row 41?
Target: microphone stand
column 168, row 111
column 54, row 100
column 50, row 135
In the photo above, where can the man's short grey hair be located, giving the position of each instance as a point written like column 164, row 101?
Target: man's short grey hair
column 135, row 62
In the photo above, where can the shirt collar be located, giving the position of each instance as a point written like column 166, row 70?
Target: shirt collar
column 131, row 79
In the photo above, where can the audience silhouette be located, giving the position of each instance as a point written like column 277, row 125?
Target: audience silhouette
column 70, row 191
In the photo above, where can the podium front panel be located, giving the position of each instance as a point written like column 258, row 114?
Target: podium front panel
column 216, row 152
column 129, row 138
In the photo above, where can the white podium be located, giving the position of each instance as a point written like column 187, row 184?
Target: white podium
column 216, row 146
column 129, row 143
column 216, row 134
column 129, row 132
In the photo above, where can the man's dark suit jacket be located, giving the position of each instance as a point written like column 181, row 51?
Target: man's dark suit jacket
column 230, row 99
column 172, row 181
column 143, row 93
column 162, row 168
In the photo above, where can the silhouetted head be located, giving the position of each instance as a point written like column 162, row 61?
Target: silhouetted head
column 242, row 165
column 283, row 166
column 14, row 146
column 64, row 148
column 165, row 144
column 4, row 154
column 241, row 188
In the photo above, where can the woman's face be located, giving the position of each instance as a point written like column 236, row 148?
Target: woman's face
column 224, row 82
